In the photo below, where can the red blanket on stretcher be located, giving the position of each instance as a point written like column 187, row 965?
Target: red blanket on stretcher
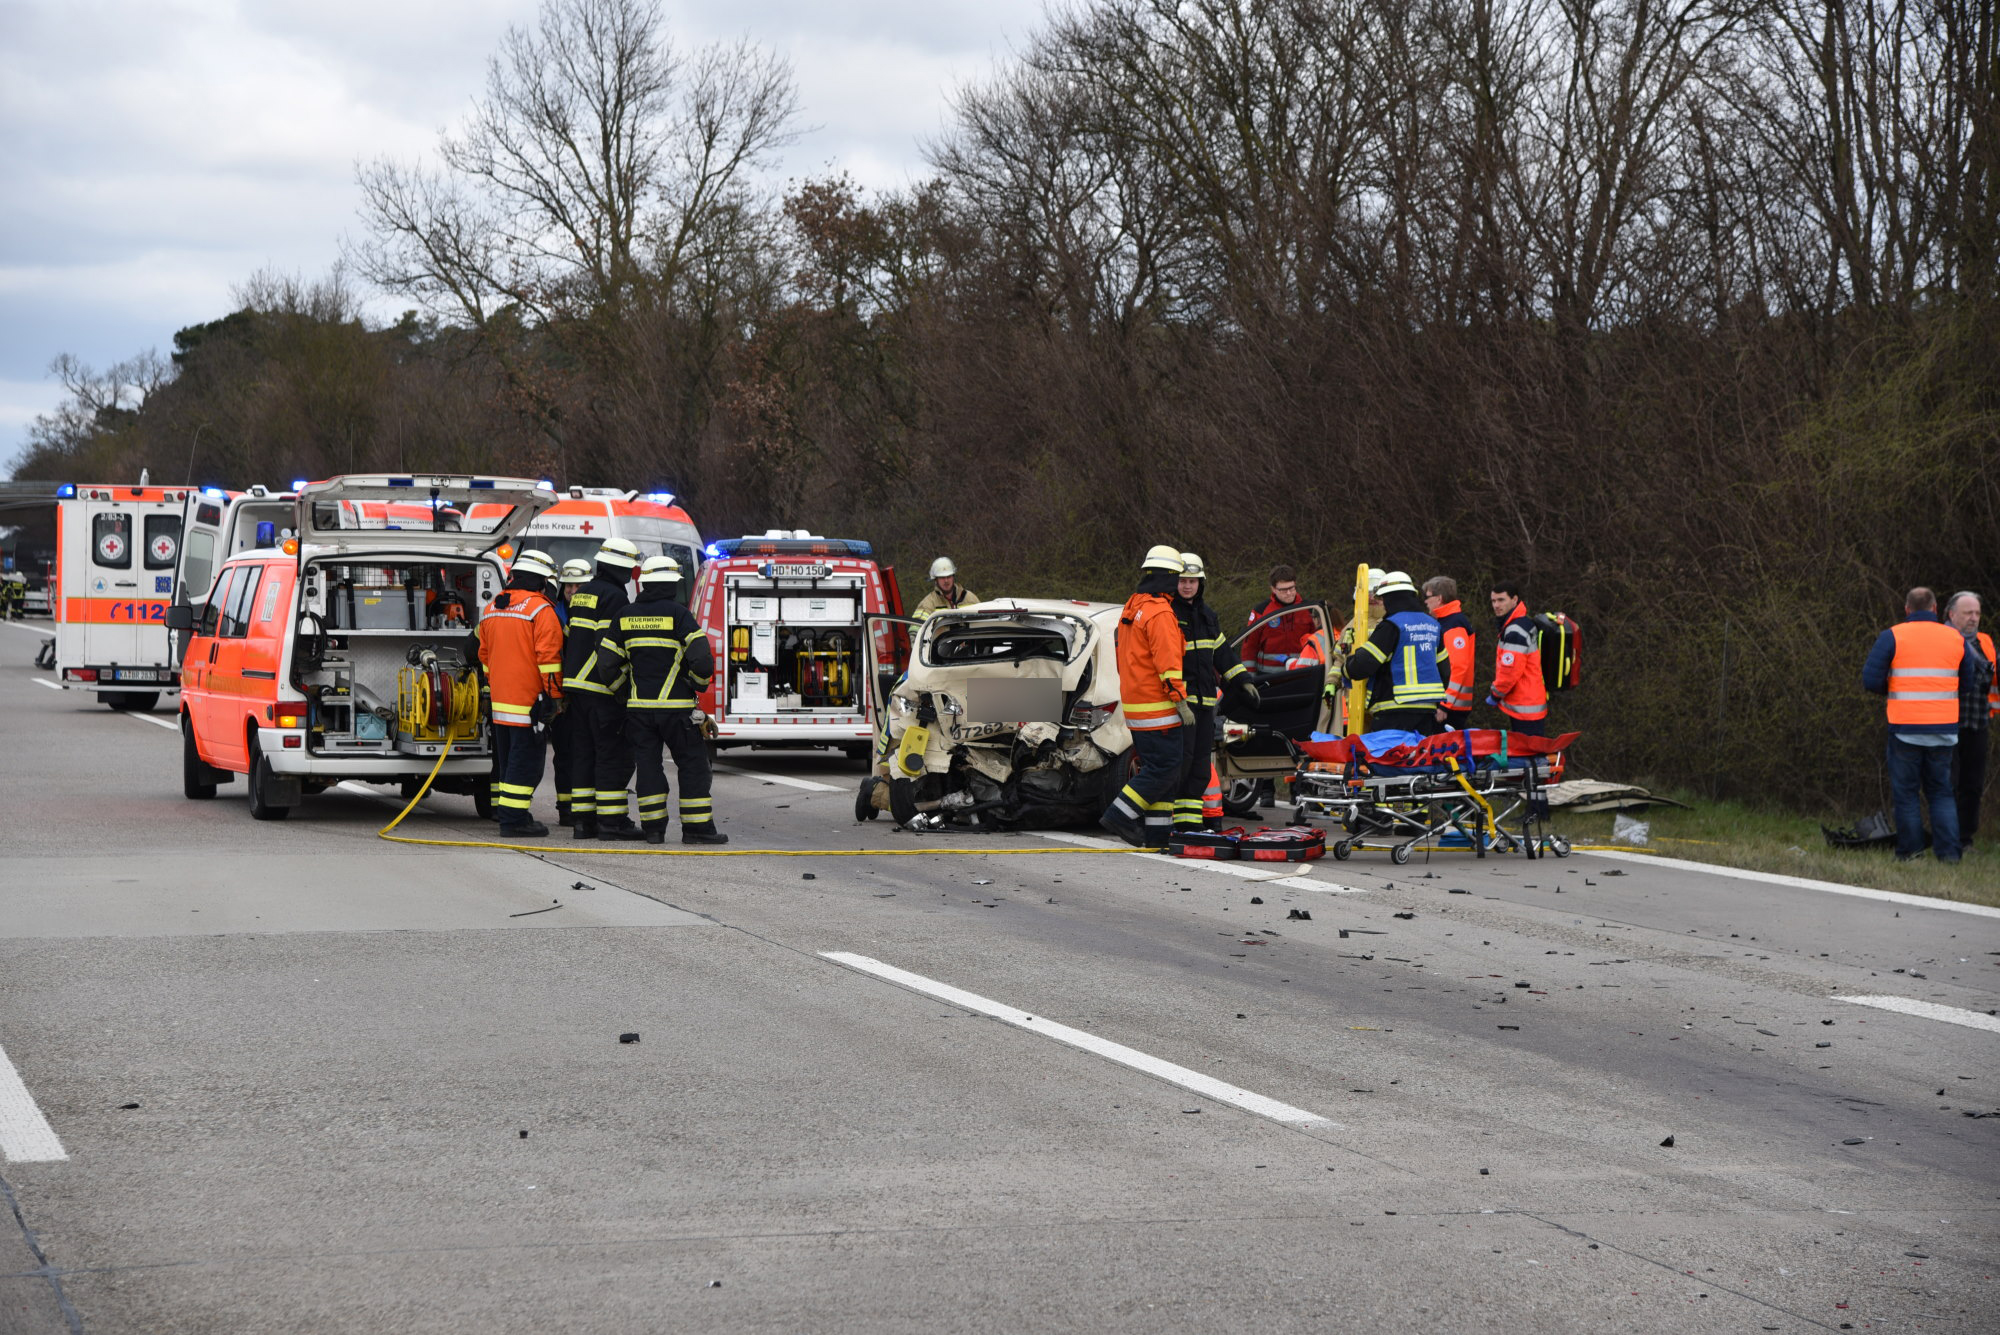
column 1465, row 746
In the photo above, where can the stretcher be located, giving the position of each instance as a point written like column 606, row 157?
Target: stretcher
column 1479, row 790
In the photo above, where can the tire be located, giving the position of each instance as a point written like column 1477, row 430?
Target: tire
column 1400, row 854
column 1343, row 849
column 408, row 785
column 135, row 701
column 864, row 800
column 1239, row 799
column 260, row 770
column 482, row 800
column 903, row 800
column 197, row 783
column 863, row 756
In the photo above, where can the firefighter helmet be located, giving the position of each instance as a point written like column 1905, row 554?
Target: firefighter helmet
column 1162, row 556
column 942, row 567
column 1191, row 567
column 1395, row 582
column 576, row 570
column 660, row 570
column 618, row 552
column 534, row 563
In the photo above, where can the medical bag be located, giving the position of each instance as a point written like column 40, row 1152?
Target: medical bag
column 1218, row 845
column 1293, row 843
column 1562, row 650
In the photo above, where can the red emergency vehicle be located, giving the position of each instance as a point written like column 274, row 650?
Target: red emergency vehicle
column 784, row 613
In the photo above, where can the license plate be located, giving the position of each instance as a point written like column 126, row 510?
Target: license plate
column 134, row 674
column 800, row 570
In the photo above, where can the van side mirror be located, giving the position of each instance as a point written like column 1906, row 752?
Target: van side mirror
column 180, row 616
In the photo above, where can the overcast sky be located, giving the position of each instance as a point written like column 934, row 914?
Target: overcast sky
column 155, row 153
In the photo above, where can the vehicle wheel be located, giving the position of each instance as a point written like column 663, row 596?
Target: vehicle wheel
column 260, row 778
column 482, row 799
column 863, row 756
column 141, row 701
column 1400, row 854
column 409, row 785
column 1239, row 799
column 903, row 800
column 864, row 800
column 1343, row 849
column 196, row 781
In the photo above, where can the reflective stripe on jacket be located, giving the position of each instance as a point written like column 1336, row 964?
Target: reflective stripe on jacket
column 662, row 653
column 1992, row 691
column 1204, row 660
column 1269, row 648
column 1517, row 669
column 1151, row 681
column 1923, row 674
column 591, row 609
column 520, row 646
column 1461, row 644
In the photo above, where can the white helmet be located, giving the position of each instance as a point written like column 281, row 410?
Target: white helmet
column 1162, row 556
column 942, row 567
column 618, row 552
column 576, row 570
column 1191, row 567
column 660, row 570
column 1396, row 582
column 534, row 563
column 1375, row 577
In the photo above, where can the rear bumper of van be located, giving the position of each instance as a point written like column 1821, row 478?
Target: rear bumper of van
column 298, row 764
column 152, row 677
column 804, row 730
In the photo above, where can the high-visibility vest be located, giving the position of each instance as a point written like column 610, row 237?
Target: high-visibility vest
column 1414, row 678
column 1459, row 642
column 1923, row 674
column 1517, row 669
column 1992, row 690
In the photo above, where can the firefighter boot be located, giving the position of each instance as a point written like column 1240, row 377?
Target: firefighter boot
column 563, row 817
column 526, row 828
column 583, row 826
column 619, row 828
column 654, row 834
column 702, row 833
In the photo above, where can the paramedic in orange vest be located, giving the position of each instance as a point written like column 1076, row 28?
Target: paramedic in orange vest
column 1976, row 712
column 1152, row 692
column 1518, row 689
column 1441, row 599
column 520, row 648
column 1915, row 663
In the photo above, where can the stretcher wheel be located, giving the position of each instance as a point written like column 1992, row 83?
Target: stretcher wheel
column 1400, row 854
column 1559, row 846
column 1342, row 849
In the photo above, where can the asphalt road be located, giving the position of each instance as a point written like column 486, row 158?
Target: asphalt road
column 306, row 1080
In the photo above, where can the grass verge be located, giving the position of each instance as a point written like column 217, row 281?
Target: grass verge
column 1735, row 835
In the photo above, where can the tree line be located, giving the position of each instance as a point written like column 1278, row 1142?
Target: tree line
column 1684, row 311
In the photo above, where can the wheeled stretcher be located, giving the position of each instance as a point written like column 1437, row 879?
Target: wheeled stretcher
column 1479, row 789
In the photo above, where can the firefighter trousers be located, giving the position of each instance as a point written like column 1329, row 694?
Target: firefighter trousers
column 563, row 758
column 517, row 770
column 1143, row 811
column 1194, row 778
column 650, row 731
column 602, row 756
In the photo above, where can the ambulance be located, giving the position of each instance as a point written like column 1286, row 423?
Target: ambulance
column 577, row 525
column 343, row 652
column 118, row 552
column 785, row 613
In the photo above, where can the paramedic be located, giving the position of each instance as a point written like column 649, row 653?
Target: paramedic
column 1270, row 648
column 1404, row 660
column 575, row 571
column 1152, row 693
column 1518, row 689
column 600, row 753
column 1916, row 664
column 1976, row 711
column 1441, row 598
column 946, row 592
column 665, row 661
column 520, row 649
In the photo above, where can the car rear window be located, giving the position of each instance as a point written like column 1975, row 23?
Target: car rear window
column 1010, row 641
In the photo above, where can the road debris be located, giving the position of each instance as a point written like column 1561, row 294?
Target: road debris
column 809, row 876
column 553, row 906
column 1403, row 915
column 1255, row 900
column 628, row 1038
column 1667, row 1144
column 581, row 885
column 1299, row 915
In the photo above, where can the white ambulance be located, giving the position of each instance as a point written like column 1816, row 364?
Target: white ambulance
column 577, row 525
column 118, row 552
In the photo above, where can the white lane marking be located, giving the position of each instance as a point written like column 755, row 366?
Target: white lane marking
column 156, row 719
column 785, row 779
column 32, row 630
column 1205, row 1085
column 1803, row 883
column 52, row 685
column 25, row 1135
column 1930, row 1010
column 1249, row 871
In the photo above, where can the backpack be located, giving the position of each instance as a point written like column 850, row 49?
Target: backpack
column 1562, row 650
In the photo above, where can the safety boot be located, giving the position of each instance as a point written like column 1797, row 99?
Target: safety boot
column 619, row 828
column 563, row 817
column 704, row 833
column 1125, row 828
column 654, row 834
column 584, row 826
column 528, row 829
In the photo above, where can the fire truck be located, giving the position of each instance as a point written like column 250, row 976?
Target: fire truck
column 118, row 551
column 784, row 613
column 576, row 526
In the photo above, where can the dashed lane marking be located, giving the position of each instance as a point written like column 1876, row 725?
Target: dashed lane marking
column 25, row 1135
column 785, row 779
column 44, row 681
column 32, row 630
column 1195, row 1081
column 1804, row 883
column 173, row 724
column 1930, row 1010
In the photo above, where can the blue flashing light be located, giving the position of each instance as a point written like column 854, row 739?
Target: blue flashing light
column 298, row 484
column 214, row 491
column 659, row 497
column 545, row 485
column 66, row 491
column 713, row 551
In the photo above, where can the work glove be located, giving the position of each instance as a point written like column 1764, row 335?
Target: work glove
column 1252, row 694
column 1492, row 702
column 1186, row 712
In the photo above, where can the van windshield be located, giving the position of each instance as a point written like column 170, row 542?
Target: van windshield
column 956, row 641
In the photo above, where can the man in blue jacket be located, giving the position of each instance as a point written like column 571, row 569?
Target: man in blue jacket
column 1915, row 663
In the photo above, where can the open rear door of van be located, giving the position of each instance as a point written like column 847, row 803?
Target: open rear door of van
column 438, row 515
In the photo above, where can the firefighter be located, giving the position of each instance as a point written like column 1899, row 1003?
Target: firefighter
column 1152, row 692
column 520, row 648
column 664, row 662
column 575, row 572
column 1205, row 665
column 946, row 591
column 599, row 751
column 1403, row 660
column 1518, row 689
column 1441, row 598
column 1270, row 648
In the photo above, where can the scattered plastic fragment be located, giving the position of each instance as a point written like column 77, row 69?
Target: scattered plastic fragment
column 1403, row 915
column 579, row 885
column 1520, row 984
column 1299, row 915
column 1190, row 1110
column 532, row 912
column 1510, row 1026
column 1822, row 1045
column 628, row 1038
column 982, row 882
column 809, row 876
column 1667, row 1144
column 524, row 1135
column 1458, row 892
column 126, row 1107
column 1255, row 900
column 1486, row 1172
column 713, row 1284
column 1855, row 1140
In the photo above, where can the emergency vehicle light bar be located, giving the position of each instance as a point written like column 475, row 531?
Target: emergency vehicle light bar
column 761, row 546
column 67, row 490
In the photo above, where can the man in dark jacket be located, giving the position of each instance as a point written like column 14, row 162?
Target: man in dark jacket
column 600, row 753
column 1978, row 703
column 1916, row 664
column 1404, row 661
column 664, row 662
column 1208, row 662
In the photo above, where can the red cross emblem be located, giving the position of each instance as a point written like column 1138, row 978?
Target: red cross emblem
column 585, row 526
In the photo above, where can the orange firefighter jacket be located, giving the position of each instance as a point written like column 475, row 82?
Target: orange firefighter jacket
column 521, row 648
column 1150, row 650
